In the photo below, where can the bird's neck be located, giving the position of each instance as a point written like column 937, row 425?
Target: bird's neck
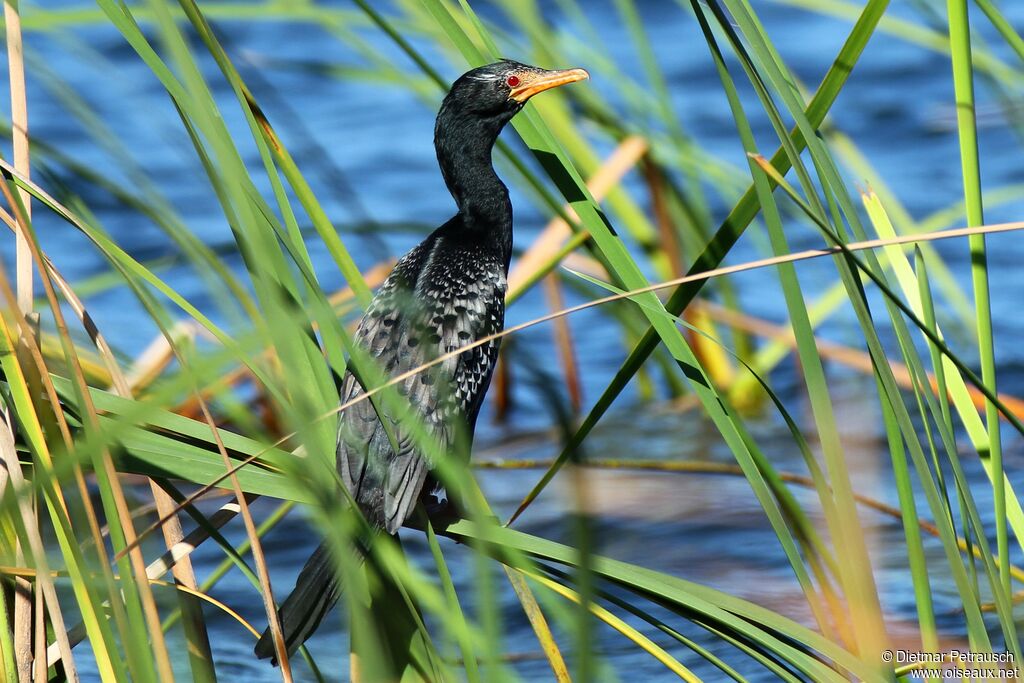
column 464, row 148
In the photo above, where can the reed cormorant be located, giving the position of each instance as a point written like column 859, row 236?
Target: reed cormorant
column 446, row 293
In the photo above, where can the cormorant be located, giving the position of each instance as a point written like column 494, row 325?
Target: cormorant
column 444, row 294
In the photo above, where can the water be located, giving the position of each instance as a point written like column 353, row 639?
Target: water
column 375, row 166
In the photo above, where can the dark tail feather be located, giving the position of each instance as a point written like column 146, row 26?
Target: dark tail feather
column 316, row 591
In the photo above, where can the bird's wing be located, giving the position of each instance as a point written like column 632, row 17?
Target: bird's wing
column 462, row 300
column 364, row 451
column 386, row 478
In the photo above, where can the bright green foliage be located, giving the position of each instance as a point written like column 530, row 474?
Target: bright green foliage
column 81, row 416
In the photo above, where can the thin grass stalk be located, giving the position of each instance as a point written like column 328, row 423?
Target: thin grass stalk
column 687, row 642
column 464, row 642
column 107, row 476
column 944, row 418
column 912, row 534
column 1002, row 24
column 918, row 294
column 963, row 86
column 855, row 574
column 831, row 180
column 930, row 38
column 967, row 399
column 229, row 156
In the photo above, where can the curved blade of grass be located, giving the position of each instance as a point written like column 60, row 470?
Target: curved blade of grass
column 908, row 282
column 736, row 222
column 727, row 611
column 642, row 641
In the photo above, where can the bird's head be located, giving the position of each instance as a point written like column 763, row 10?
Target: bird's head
column 472, row 115
column 498, row 91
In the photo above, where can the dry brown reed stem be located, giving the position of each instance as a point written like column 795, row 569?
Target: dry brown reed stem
column 540, row 251
column 19, row 134
column 9, row 458
column 166, row 562
column 23, row 608
column 501, row 387
column 256, row 547
column 29, row 571
column 563, row 343
column 716, row 272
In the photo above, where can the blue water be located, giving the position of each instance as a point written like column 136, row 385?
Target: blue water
column 372, row 165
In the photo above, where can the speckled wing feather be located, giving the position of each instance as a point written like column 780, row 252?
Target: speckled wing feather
column 441, row 296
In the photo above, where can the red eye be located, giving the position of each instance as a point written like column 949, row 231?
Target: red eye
column 512, row 81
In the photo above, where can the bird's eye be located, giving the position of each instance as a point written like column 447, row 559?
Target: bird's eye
column 512, row 81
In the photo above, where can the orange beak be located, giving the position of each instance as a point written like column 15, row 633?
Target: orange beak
column 533, row 83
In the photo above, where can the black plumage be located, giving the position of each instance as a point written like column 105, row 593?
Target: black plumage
column 447, row 292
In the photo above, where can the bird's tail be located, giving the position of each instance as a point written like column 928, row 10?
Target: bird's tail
column 316, row 591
